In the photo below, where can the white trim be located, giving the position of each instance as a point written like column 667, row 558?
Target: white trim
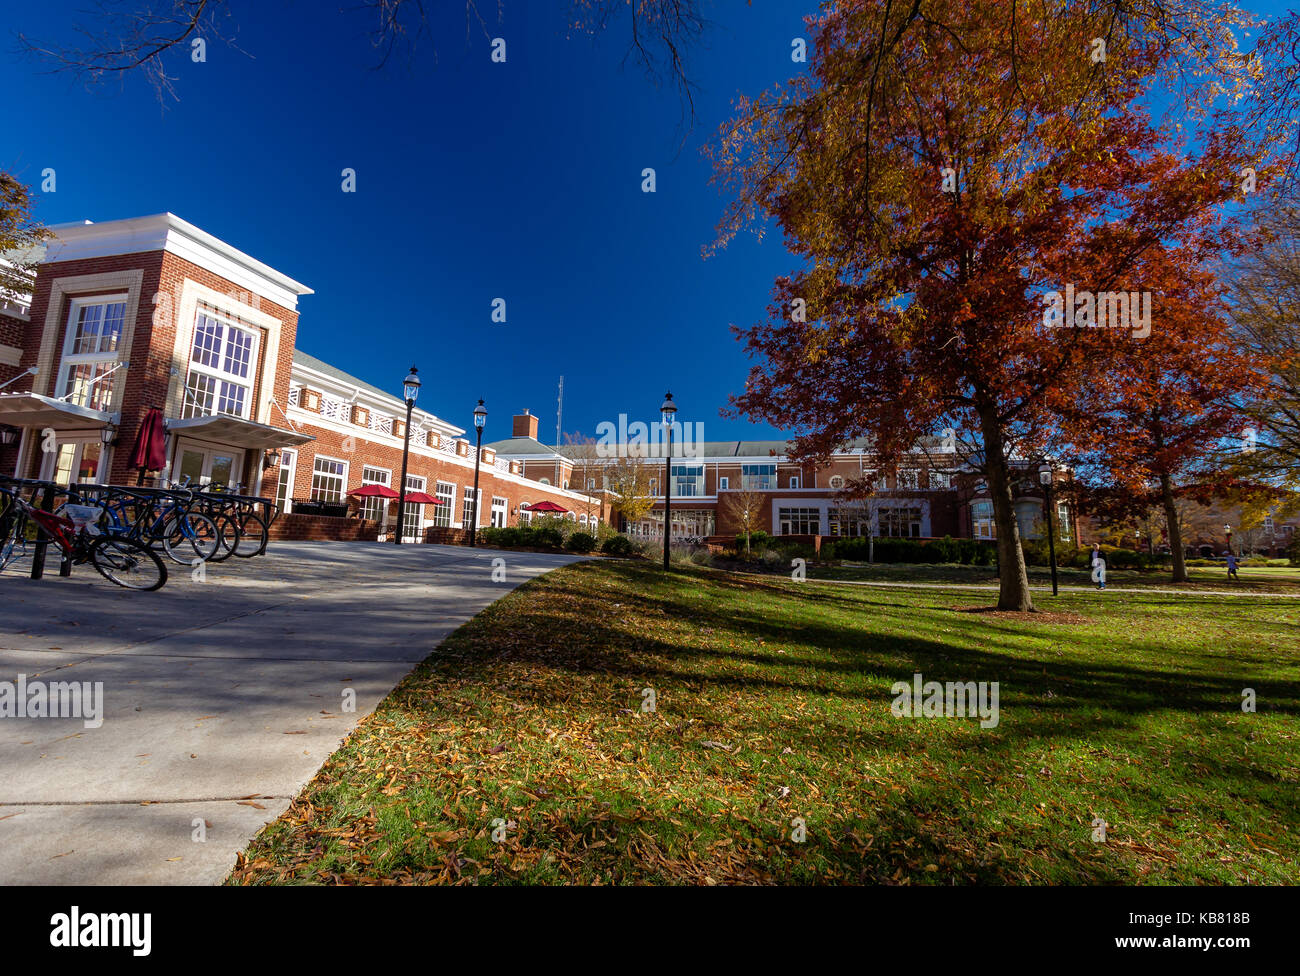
column 167, row 232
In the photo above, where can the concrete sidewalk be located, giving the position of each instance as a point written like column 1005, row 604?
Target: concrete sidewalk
column 221, row 698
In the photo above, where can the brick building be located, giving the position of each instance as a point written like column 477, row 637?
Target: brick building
column 929, row 495
column 153, row 312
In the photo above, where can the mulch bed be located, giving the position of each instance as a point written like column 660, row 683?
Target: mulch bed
column 1034, row 616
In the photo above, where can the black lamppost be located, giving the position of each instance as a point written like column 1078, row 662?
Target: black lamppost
column 1045, row 479
column 480, row 418
column 411, row 390
column 668, row 411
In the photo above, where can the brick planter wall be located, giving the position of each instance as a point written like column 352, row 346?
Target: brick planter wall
column 447, row 537
column 323, row 528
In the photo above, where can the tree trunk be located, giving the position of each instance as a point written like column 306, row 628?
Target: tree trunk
column 1013, row 578
column 1174, row 529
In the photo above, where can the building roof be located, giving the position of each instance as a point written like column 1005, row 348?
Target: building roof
column 308, row 361
column 519, row 446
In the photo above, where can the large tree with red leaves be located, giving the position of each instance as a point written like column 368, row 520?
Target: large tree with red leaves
column 940, row 175
column 1152, row 431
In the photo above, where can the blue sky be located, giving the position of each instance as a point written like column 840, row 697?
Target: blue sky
column 475, row 181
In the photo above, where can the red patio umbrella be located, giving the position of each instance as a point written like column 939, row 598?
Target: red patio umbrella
column 374, row 491
column 420, row 498
column 150, row 451
column 546, row 506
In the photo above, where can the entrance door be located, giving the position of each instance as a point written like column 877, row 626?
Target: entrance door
column 204, row 465
column 73, row 461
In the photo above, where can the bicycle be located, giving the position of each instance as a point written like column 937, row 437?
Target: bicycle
column 118, row 559
column 154, row 517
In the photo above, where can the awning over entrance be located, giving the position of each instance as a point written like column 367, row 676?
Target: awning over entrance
column 35, row 410
column 237, row 433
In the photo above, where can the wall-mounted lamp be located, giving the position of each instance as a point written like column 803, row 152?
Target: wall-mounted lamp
column 108, row 434
column 272, row 458
column 8, row 436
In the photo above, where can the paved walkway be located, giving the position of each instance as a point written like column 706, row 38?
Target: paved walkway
column 222, row 698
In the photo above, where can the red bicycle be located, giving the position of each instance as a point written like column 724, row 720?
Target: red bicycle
column 118, row 559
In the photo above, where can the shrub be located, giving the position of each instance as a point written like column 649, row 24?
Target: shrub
column 547, row 537
column 582, row 542
column 618, row 545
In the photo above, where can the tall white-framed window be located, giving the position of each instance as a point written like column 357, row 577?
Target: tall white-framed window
column 375, row 508
column 899, row 523
column 284, row 480
column 499, row 511
column 981, row 514
column 328, row 479
column 909, row 479
column 940, row 480
column 724, row 483
column 413, row 515
column 688, row 480
column 794, row 481
column 757, row 477
column 1063, row 520
column 446, row 493
column 467, row 514
column 223, row 365
column 90, row 350
column 654, row 487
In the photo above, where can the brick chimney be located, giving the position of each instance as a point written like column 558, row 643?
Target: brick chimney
column 525, row 426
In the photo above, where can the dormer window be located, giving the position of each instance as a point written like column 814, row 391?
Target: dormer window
column 223, row 356
column 90, row 350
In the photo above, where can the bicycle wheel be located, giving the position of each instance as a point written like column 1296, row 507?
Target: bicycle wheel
column 190, row 535
column 252, row 536
column 227, row 536
column 13, row 536
column 127, row 563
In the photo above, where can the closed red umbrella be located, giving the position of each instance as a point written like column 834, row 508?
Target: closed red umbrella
column 373, row 491
column 150, row 451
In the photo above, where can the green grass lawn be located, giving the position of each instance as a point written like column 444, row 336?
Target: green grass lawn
column 773, row 703
column 1257, row 579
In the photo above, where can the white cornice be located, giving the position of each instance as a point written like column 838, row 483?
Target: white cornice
column 386, row 405
column 167, row 232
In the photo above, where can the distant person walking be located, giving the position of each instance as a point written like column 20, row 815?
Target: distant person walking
column 1232, row 565
column 1098, row 567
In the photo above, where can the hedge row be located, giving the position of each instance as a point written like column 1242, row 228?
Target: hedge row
column 971, row 552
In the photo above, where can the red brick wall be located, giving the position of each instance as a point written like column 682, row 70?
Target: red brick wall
column 320, row 528
column 359, row 451
column 149, row 374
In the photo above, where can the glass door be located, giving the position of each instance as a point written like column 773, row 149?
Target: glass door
column 205, row 466
column 413, row 515
column 284, row 484
column 73, row 461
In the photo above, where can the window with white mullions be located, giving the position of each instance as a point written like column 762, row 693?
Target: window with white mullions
column 375, row 508
column 499, row 511
column 799, row 521
column 446, row 494
column 467, row 511
column 223, row 357
column 900, row 523
column 412, row 514
column 90, row 351
column 328, row 479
